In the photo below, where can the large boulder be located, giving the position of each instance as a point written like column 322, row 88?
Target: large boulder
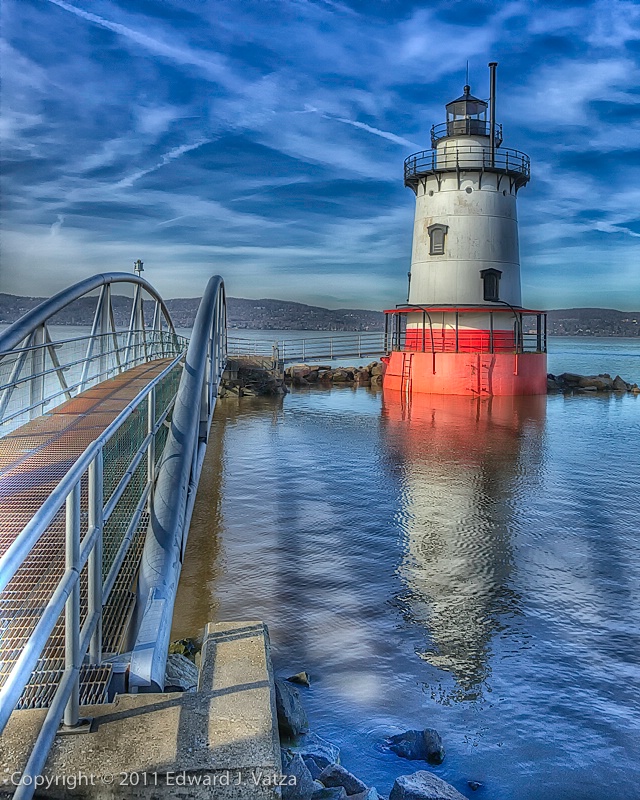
column 337, row 775
column 619, row 385
column 423, row 786
column 315, row 747
column 376, row 368
column 423, row 745
column 570, row 378
column 601, row 383
column 304, row 786
column 292, row 718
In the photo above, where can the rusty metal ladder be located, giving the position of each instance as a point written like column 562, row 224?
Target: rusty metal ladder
column 406, row 381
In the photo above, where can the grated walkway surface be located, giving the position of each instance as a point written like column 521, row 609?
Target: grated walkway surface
column 33, row 460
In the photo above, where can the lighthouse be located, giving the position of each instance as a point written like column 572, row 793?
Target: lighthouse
column 464, row 329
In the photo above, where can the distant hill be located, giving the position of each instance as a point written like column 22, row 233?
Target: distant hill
column 284, row 315
column 593, row 322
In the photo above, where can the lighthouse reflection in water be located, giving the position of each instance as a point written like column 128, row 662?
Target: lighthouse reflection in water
column 465, row 463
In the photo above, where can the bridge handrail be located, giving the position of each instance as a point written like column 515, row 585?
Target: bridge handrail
column 175, row 492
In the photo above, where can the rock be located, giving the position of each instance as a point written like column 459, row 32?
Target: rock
column 326, row 376
column 313, row 746
column 570, row 378
column 552, row 384
column 599, row 382
column 292, row 719
column 336, row 775
column 333, row 793
column 312, row 376
column 304, row 787
column 423, row 786
column 619, row 385
column 376, row 380
column 300, row 677
column 368, row 794
column 423, row 745
column 377, row 369
column 181, row 674
column 186, row 647
column 313, row 768
column 341, row 376
column 474, row 785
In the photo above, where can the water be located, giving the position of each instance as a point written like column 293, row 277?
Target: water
column 471, row 566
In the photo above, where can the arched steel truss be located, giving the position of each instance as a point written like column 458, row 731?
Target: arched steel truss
column 39, row 370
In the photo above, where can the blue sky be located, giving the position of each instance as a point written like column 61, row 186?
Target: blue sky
column 263, row 140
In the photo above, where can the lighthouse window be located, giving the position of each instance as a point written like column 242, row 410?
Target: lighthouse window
column 491, row 281
column 437, row 235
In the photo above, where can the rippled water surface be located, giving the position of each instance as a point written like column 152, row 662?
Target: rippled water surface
column 472, row 566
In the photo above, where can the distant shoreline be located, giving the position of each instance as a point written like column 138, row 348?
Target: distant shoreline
column 283, row 315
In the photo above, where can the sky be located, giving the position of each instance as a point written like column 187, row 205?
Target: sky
column 264, row 140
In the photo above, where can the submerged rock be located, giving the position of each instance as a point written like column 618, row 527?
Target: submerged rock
column 292, row 718
column 313, row 746
column 423, row 785
column 423, row 745
column 300, row 677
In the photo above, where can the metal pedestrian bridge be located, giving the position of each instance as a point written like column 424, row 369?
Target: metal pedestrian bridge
column 102, row 441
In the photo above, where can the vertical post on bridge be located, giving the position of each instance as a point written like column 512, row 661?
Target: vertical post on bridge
column 151, row 451
column 36, row 384
column 96, row 508
column 72, row 608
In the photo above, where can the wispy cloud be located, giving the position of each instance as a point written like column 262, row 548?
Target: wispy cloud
column 176, row 152
column 109, row 119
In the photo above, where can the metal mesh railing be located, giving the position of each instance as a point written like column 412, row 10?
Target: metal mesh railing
column 368, row 344
column 38, row 377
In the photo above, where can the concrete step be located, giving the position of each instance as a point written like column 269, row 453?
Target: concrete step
column 221, row 741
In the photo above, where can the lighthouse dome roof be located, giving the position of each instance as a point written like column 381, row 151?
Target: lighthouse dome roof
column 466, row 105
column 467, row 96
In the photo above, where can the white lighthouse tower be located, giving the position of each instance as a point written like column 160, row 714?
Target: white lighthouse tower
column 464, row 329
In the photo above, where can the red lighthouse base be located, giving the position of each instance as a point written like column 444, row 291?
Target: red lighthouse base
column 476, row 374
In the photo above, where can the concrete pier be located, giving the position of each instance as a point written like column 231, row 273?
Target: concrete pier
column 220, row 741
